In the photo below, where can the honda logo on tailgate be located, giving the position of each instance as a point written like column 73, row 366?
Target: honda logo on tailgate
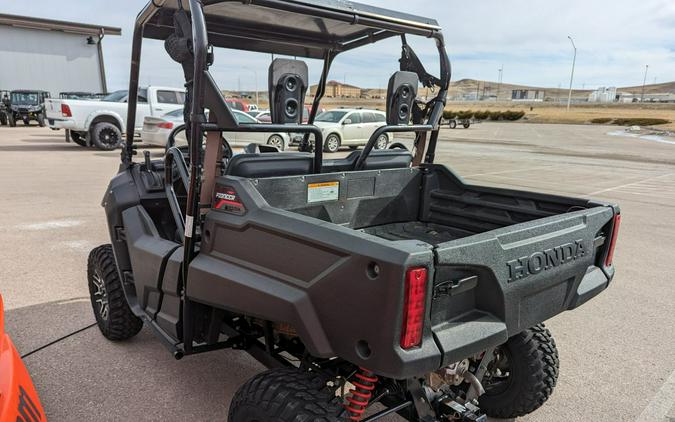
column 541, row 261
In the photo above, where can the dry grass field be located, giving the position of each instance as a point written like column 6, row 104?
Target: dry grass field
column 543, row 112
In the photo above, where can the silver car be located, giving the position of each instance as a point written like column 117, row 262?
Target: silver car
column 156, row 131
column 352, row 128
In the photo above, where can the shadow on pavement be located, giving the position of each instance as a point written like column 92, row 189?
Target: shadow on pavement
column 34, row 326
column 86, row 376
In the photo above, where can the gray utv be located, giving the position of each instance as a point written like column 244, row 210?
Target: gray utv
column 373, row 284
column 27, row 105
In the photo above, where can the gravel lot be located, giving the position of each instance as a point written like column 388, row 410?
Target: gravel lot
column 617, row 351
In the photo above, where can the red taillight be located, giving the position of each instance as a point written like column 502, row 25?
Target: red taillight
column 612, row 242
column 413, row 307
column 65, row 111
column 165, row 125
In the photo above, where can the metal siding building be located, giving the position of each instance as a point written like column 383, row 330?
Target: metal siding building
column 50, row 55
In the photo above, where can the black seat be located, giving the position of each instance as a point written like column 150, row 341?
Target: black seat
column 299, row 163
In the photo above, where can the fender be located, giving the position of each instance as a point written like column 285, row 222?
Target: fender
column 18, row 399
column 108, row 113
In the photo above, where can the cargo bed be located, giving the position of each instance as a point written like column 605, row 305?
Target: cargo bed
column 308, row 249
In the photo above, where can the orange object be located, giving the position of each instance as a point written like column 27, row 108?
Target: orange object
column 18, row 399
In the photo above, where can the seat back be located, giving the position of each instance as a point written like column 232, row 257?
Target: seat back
column 298, row 163
column 270, row 164
column 377, row 160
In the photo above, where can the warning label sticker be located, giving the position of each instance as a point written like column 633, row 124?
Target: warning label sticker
column 320, row 192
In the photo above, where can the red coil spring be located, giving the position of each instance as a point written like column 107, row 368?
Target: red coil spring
column 360, row 395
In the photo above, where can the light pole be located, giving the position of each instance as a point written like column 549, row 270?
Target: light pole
column 644, row 82
column 574, row 62
column 255, row 75
column 499, row 83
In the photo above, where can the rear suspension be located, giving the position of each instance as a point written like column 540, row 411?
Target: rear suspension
column 359, row 397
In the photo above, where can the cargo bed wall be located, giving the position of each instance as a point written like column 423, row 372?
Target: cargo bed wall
column 362, row 199
column 471, row 209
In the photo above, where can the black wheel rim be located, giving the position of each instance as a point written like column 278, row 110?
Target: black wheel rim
column 498, row 377
column 100, row 296
column 109, row 137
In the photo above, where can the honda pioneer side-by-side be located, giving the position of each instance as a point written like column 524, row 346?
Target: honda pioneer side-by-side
column 375, row 284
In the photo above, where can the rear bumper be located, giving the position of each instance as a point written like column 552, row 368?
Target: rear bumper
column 154, row 138
column 61, row 123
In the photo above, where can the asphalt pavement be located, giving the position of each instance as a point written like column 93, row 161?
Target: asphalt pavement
column 617, row 352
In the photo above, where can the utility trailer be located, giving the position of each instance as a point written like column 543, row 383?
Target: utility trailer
column 465, row 123
column 380, row 277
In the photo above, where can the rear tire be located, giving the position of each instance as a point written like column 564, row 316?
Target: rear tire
column 277, row 142
column 466, row 124
column 3, row 119
column 113, row 315
column 533, row 364
column 285, row 395
column 382, row 142
column 11, row 120
column 26, row 121
column 41, row 120
column 106, row 136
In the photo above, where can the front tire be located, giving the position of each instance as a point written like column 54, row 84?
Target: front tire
column 523, row 376
column 41, row 120
column 285, row 395
column 113, row 315
column 11, row 120
column 79, row 138
column 106, row 136
column 453, row 124
column 26, row 121
column 332, row 143
column 466, row 124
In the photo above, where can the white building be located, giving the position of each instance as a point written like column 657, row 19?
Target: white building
column 50, row 55
column 603, row 95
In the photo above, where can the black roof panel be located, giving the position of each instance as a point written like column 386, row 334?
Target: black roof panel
column 306, row 28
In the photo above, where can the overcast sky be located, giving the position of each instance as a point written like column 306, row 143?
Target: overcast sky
column 615, row 40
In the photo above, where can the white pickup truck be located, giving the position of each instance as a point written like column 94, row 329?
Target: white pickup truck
column 102, row 123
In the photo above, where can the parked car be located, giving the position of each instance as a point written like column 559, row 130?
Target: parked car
column 257, row 113
column 101, row 123
column 350, row 127
column 238, row 104
column 27, row 105
column 156, row 131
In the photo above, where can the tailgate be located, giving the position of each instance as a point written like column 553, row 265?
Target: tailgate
column 53, row 108
column 491, row 286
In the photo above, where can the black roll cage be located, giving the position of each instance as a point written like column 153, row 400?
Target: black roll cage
column 371, row 24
